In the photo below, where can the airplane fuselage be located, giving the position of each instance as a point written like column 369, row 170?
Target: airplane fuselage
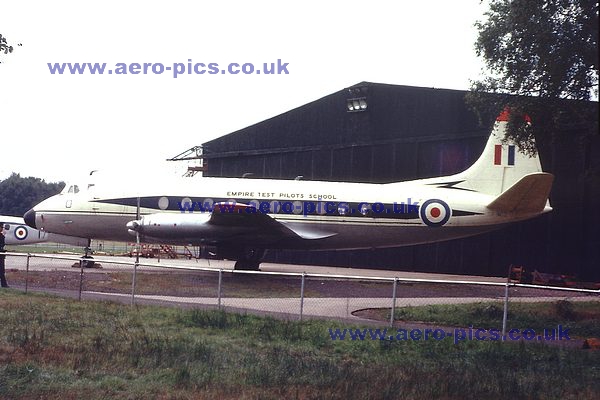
column 333, row 215
column 16, row 232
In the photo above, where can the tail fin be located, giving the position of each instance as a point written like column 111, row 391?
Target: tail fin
column 529, row 195
column 500, row 165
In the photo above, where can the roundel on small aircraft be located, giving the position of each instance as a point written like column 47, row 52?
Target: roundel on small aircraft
column 21, row 232
column 435, row 212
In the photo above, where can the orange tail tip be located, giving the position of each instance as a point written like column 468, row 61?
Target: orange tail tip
column 505, row 114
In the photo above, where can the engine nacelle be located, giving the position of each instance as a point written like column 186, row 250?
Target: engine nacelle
column 172, row 226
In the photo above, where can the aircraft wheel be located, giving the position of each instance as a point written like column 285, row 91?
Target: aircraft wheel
column 88, row 261
column 250, row 259
column 244, row 265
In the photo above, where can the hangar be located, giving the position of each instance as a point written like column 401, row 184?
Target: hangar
column 380, row 133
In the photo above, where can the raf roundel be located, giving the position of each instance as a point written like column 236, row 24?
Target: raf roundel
column 435, row 212
column 21, row 232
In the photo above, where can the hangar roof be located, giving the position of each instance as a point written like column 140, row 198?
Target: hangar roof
column 389, row 114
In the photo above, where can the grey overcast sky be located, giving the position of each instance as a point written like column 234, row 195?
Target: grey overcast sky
column 58, row 127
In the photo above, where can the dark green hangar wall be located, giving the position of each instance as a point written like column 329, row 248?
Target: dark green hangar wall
column 384, row 133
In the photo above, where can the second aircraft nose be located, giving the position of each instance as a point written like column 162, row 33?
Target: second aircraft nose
column 29, row 218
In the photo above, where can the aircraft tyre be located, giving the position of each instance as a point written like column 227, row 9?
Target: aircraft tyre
column 88, row 261
column 244, row 265
column 249, row 259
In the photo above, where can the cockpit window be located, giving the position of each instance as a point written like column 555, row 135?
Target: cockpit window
column 73, row 189
column 77, row 187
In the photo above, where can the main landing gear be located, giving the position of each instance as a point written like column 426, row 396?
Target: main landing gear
column 248, row 259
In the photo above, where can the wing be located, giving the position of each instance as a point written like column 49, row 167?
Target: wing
column 226, row 223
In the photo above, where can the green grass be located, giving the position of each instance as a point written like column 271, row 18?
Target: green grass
column 583, row 318
column 55, row 348
column 43, row 248
column 49, row 247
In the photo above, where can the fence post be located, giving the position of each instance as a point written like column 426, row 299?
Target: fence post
column 135, row 265
column 302, row 295
column 80, row 277
column 505, row 314
column 219, row 288
column 393, row 303
column 27, row 273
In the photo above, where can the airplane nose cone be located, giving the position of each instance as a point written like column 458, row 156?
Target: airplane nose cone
column 29, row 218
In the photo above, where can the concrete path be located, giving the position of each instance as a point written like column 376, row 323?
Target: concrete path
column 334, row 308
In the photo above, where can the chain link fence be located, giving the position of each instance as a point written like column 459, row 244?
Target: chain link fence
column 212, row 284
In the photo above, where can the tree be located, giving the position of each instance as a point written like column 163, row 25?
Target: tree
column 543, row 61
column 17, row 195
column 4, row 46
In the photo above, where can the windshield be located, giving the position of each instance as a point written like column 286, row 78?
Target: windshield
column 70, row 189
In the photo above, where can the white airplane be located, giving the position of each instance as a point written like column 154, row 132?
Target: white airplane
column 16, row 232
column 243, row 217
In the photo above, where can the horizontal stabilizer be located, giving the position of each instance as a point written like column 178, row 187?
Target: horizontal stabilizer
column 528, row 196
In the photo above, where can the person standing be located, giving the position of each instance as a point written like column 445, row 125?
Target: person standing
column 2, row 257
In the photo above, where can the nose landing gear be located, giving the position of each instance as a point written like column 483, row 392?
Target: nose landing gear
column 87, row 261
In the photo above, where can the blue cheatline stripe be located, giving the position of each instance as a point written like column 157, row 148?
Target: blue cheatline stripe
column 511, row 155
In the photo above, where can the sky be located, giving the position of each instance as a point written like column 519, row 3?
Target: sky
column 60, row 127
